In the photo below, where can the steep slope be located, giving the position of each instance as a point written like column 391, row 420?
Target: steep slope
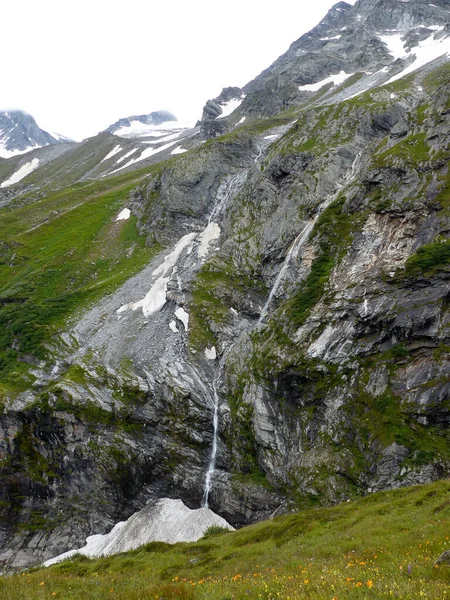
column 19, row 133
column 288, row 346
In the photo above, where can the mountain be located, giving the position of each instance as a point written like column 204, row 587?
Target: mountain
column 139, row 125
column 19, row 133
column 253, row 319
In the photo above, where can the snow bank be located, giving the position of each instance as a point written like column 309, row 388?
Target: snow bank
column 124, row 215
column 155, row 299
column 183, row 316
column 138, row 129
column 169, row 521
column 229, row 107
column 334, row 79
column 21, row 173
column 211, row 233
column 211, row 353
column 113, row 152
column 395, row 45
column 425, row 52
column 178, row 150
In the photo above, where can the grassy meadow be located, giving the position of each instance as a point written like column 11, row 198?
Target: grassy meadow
column 380, row 546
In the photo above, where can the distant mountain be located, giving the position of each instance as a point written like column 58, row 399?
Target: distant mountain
column 20, row 133
column 139, row 125
column 373, row 40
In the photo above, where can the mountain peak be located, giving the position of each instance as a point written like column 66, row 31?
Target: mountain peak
column 19, row 133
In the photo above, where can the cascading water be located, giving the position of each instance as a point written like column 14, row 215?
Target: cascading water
column 302, row 238
column 299, row 241
column 212, row 460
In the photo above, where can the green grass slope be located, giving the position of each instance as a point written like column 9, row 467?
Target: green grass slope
column 381, row 546
column 59, row 254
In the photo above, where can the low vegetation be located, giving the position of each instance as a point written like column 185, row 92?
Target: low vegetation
column 381, row 546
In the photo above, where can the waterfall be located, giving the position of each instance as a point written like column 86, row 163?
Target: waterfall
column 302, row 238
column 212, row 460
column 293, row 252
column 294, row 249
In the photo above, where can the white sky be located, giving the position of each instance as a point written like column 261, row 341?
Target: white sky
column 79, row 66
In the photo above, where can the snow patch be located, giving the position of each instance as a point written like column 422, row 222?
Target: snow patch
column 173, row 327
column 211, row 233
column 427, row 51
column 126, row 155
column 21, row 173
column 241, row 121
column 169, row 521
column 334, row 79
column 10, row 153
column 183, row 316
column 113, row 152
column 211, row 353
column 395, row 45
column 178, row 150
column 145, row 154
column 124, row 215
column 138, row 129
column 156, row 298
column 328, row 39
column 229, row 107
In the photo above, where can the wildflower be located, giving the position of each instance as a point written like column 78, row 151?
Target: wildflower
column 358, row 584
column 42, row 583
column 369, row 583
column 306, row 581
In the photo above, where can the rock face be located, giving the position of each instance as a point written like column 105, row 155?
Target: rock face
column 19, row 133
column 289, row 346
column 212, row 123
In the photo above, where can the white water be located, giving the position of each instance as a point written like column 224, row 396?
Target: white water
column 302, row 238
column 212, row 460
column 224, row 196
column 293, row 252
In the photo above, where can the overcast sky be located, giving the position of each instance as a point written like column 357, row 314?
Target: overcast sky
column 79, row 66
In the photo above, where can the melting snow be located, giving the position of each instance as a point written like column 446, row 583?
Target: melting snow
column 21, row 173
column 164, row 138
column 169, row 521
column 425, row 52
column 126, row 155
column 113, row 152
column 10, row 153
column 178, row 150
column 241, row 121
column 211, row 233
column 395, row 44
column 173, row 327
column 229, row 107
column 210, row 353
column 181, row 314
column 156, row 298
column 328, row 39
column 138, row 129
column 335, row 79
column 124, row 215
column 145, row 154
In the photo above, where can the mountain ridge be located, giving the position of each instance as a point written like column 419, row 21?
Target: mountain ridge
column 277, row 297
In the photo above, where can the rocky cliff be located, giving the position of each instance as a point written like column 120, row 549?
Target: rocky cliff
column 287, row 344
